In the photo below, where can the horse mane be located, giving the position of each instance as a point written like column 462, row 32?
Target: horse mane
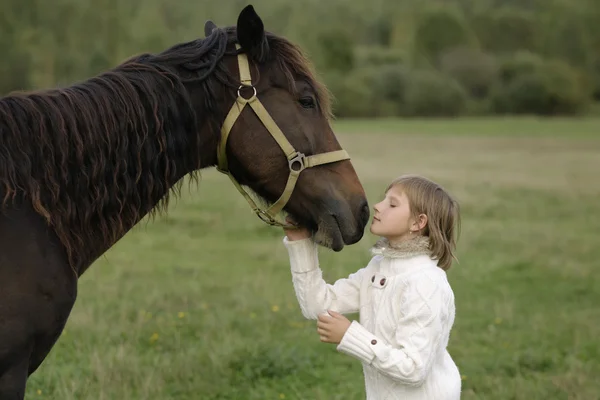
column 95, row 157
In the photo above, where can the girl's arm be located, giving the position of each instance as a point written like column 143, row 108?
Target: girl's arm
column 425, row 316
column 314, row 295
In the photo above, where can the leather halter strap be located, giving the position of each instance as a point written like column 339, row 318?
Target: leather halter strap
column 297, row 161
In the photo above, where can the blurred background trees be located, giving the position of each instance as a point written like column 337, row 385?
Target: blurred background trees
column 378, row 57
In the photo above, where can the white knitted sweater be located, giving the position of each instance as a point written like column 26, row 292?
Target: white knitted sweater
column 406, row 311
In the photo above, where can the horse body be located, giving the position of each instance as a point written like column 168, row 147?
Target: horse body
column 38, row 292
column 81, row 166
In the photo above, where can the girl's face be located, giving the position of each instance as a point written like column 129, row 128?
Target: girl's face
column 392, row 217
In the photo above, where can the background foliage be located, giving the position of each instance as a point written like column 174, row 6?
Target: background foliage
column 379, row 57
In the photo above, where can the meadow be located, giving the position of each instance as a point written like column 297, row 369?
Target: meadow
column 199, row 304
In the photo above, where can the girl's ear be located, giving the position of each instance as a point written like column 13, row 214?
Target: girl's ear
column 420, row 222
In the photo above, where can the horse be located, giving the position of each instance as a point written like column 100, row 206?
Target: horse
column 81, row 165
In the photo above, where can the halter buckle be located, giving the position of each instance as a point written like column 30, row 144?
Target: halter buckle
column 297, row 159
column 265, row 217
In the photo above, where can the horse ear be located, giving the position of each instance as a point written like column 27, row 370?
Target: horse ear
column 251, row 34
column 209, row 26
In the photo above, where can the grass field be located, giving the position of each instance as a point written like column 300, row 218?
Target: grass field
column 199, row 304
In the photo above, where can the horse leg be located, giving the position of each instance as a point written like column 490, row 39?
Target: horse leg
column 26, row 338
column 16, row 337
column 14, row 378
column 37, row 292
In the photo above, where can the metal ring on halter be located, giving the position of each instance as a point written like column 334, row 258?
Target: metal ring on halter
column 262, row 214
column 299, row 158
column 246, row 86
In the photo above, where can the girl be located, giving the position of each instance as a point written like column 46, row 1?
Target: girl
column 405, row 302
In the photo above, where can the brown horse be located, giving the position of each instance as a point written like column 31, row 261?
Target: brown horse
column 80, row 166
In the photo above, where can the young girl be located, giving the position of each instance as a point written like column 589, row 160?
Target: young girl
column 405, row 302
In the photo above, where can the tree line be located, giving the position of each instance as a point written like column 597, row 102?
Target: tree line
column 378, row 57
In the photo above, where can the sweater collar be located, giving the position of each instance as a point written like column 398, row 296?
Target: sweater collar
column 403, row 250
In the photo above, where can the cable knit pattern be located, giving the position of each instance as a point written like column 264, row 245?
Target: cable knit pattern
column 406, row 310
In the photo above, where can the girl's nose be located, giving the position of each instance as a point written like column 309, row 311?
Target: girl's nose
column 376, row 207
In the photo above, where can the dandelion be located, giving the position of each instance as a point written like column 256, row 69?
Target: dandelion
column 180, row 314
column 281, row 396
column 463, row 377
column 275, row 308
column 154, row 337
column 498, row 321
column 39, row 392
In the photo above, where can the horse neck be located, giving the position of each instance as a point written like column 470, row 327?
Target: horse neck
column 107, row 153
column 188, row 157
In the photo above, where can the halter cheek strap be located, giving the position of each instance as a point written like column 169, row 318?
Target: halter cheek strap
column 297, row 161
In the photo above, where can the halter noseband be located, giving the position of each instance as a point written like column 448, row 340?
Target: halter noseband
column 297, row 161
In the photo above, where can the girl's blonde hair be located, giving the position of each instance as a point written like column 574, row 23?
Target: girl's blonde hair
column 443, row 215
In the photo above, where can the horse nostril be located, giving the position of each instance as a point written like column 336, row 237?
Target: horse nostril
column 365, row 213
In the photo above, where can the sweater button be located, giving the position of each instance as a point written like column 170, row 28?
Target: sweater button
column 382, row 281
column 373, row 341
column 373, row 278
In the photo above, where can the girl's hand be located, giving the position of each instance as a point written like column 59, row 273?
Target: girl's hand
column 297, row 233
column 332, row 327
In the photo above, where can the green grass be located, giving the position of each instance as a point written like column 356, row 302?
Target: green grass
column 511, row 126
column 199, row 304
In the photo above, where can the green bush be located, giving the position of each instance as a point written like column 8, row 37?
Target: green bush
column 379, row 30
column 518, row 64
column 375, row 56
column 478, row 107
column 390, row 82
column 474, row 70
column 336, row 51
column 394, row 90
column 506, row 30
column 542, row 88
column 431, row 94
column 439, row 29
column 15, row 69
column 352, row 96
column 368, row 92
column 348, row 100
column 595, row 78
column 19, row 76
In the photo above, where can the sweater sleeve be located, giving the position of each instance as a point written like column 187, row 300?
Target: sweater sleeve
column 423, row 314
column 314, row 295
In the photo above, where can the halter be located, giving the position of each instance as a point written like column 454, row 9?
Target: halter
column 297, row 161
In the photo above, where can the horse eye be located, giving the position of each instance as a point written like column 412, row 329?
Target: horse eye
column 307, row 102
